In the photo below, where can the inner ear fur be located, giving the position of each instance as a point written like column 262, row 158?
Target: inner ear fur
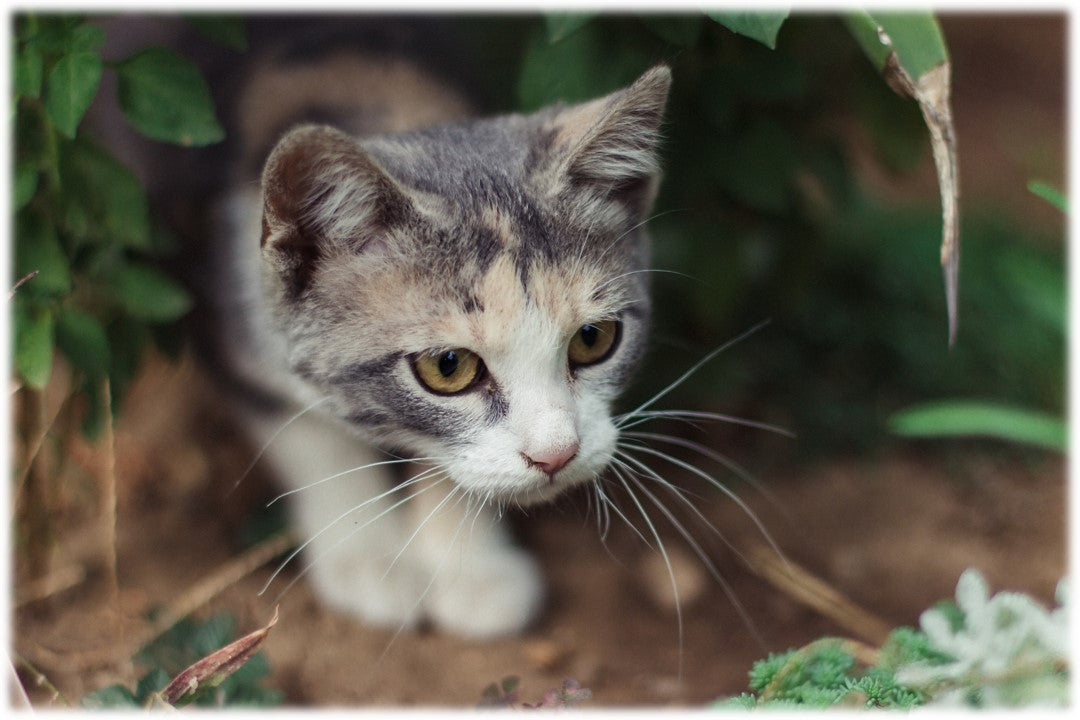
column 613, row 141
column 322, row 194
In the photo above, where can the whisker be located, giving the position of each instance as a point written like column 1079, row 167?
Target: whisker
column 343, row 473
column 298, row 550
column 420, row 527
column 679, row 493
column 704, row 557
column 435, row 573
column 638, row 272
column 697, row 366
column 711, row 454
column 629, row 420
column 618, row 511
column 663, row 554
column 719, row 486
column 270, row 441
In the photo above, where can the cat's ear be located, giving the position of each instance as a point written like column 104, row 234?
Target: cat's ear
column 611, row 143
column 322, row 194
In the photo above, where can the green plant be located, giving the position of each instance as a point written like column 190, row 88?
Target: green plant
column 949, row 418
column 979, row 651
column 760, row 215
column 193, row 663
column 85, row 240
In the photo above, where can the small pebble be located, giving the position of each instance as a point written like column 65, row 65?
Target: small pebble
column 690, row 578
column 544, row 654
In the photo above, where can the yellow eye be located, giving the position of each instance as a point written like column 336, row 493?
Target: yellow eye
column 448, row 372
column 593, row 342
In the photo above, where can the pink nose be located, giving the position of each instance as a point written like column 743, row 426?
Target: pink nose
column 553, row 460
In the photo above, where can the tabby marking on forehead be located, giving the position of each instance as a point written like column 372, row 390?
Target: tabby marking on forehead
column 501, row 226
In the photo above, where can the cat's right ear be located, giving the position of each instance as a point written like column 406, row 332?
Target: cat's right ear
column 322, row 194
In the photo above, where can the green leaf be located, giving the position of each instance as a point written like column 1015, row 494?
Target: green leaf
column 86, row 37
column 915, row 37
column 147, row 294
column 37, row 249
column 1050, row 194
column 29, row 72
column 552, row 72
column 164, row 97
column 561, row 25
column 82, row 339
column 153, row 681
column 102, row 198
column 957, row 418
column 26, row 183
column 71, row 87
column 226, row 30
column 114, row 696
column 760, row 26
column 33, row 344
column 681, row 30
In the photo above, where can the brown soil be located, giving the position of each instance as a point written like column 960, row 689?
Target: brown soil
column 892, row 534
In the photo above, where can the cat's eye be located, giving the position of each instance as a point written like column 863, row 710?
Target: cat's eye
column 594, row 342
column 448, row 372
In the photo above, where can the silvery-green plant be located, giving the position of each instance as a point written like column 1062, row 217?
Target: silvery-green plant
column 1006, row 650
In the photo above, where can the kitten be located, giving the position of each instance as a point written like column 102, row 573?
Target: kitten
column 470, row 295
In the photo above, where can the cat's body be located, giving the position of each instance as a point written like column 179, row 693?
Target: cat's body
column 470, row 296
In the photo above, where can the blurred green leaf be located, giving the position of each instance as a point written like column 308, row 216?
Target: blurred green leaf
column 87, row 37
column 681, row 30
column 29, row 72
column 916, row 38
column 26, row 182
column 552, row 71
column 561, row 25
column 82, row 339
column 957, row 418
column 114, row 696
column 33, row 344
column 226, row 30
column 153, row 681
column 150, row 295
column 71, row 87
column 761, row 26
column 1050, row 194
column 102, row 198
column 37, row 248
column 53, row 34
column 164, row 97
column 1037, row 285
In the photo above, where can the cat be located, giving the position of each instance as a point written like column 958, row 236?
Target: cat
column 408, row 283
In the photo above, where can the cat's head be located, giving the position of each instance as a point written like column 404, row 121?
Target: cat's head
column 473, row 293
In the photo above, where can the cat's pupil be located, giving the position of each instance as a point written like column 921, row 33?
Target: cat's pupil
column 589, row 334
column 448, row 363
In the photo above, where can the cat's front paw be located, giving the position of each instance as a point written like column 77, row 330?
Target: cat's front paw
column 488, row 594
column 350, row 582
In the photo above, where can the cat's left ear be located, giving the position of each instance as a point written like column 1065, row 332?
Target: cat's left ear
column 611, row 143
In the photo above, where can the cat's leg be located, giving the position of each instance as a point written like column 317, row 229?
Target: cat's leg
column 355, row 530
column 482, row 585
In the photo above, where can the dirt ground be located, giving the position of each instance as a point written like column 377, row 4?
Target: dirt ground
column 891, row 534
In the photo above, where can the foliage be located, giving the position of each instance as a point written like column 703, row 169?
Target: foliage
column 1021, row 425
column 85, row 240
column 977, row 652
column 952, row 418
column 183, row 645
column 760, row 217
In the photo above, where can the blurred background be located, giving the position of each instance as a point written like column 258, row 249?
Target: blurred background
column 798, row 189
